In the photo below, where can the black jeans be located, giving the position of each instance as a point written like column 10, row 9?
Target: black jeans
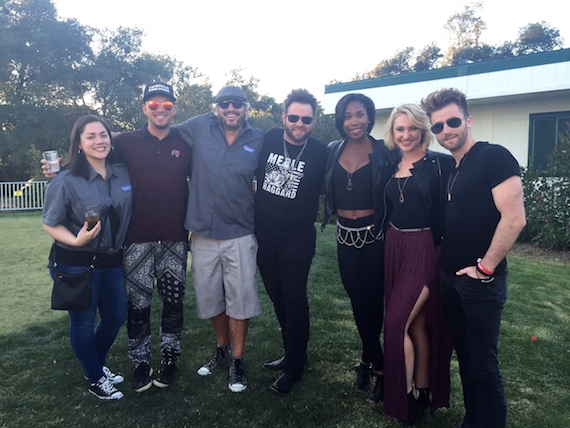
column 362, row 274
column 284, row 268
column 474, row 311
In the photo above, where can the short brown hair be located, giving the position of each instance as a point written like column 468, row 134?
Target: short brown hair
column 301, row 96
column 442, row 98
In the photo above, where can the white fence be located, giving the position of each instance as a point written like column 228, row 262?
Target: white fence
column 22, row 195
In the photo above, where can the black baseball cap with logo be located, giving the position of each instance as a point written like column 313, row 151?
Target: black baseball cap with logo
column 158, row 88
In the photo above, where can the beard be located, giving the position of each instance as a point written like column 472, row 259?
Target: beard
column 295, row 139
column 232, row 126
column 461, row 139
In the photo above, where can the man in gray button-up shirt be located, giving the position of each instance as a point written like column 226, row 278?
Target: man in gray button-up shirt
column 225, row 154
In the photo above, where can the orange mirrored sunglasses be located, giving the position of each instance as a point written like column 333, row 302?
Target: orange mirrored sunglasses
column 153, row 105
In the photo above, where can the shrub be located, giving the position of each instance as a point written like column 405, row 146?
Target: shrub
column 547, row 200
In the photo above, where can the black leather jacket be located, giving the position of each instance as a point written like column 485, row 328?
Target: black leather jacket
column 382, row 161
column 432, row 174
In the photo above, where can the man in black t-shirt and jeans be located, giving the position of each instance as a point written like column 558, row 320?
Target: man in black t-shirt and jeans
column 483, row 218
column 289, row 182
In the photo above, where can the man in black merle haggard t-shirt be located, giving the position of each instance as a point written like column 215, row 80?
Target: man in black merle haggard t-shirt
column 289, row 182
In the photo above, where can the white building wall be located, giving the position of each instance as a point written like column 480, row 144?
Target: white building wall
column 501, row 101
column 504, row 83
column 503, row 121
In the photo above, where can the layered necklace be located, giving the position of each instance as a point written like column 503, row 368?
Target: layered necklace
column 292, row 163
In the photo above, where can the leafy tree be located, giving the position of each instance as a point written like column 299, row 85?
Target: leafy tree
column 42, row 82
column 505, row 50
column 399, row 63
column 537, row 37
column 120, row 71
column 27, row 130
column 50, row 75
column 42, row 55
column 465, row 29
column 325, row 127
column 193, row 99
column 427, row 58
column 264, row 111
column 479, row 53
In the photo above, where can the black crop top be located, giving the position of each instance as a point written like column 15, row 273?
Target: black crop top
column 360, row 195
column 412, row 213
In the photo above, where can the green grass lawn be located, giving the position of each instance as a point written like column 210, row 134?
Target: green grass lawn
column 42, row 383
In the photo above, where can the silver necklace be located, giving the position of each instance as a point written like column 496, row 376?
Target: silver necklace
column 450, row 184
column 401, row 189
column 291, row 162
column 450, row 181
column 349, row 185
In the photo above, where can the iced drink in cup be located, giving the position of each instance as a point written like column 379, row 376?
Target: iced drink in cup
column 51, row 160
column 91, row 216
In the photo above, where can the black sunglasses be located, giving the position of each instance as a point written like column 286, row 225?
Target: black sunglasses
column 226, row 103
column 454, row 122
column 293, row 118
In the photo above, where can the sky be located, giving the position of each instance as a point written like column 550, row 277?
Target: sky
column 300, row 43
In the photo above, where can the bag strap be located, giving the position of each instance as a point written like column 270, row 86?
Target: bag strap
column 92, row 265
column 94, row 260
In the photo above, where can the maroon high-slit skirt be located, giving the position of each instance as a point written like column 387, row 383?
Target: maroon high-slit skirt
column 412, row 261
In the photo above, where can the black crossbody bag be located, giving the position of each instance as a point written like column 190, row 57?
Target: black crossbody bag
column 72, row 292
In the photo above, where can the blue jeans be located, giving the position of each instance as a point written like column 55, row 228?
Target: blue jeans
column 474, row 311
column 91, row 343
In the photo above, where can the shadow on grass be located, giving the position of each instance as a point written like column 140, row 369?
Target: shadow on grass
column 42, row 383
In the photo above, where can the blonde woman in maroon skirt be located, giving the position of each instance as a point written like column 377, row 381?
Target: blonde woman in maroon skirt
column 417, row 345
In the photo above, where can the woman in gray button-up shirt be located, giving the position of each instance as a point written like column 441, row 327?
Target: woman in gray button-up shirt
column 92, row 179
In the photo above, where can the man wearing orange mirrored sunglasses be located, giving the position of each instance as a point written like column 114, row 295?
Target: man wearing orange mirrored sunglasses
column 158, row 161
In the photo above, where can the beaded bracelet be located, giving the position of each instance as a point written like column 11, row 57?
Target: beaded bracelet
column 482, row 269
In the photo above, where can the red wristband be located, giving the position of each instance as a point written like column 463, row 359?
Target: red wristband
column 483, row 269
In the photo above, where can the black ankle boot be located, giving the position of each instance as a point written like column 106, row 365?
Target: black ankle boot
column 413, row 408
column 377, row 394
column 362, row 382
column 424, row 401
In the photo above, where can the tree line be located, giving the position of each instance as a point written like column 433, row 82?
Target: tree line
column 465, row 29
column 53, row 70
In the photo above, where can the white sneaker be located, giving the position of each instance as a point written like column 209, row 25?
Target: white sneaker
column 113, row 377
column 222, row 356
column 105, row 390
column 238, row 379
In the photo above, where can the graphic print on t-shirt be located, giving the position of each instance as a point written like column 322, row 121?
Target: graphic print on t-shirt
column 282, row 175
